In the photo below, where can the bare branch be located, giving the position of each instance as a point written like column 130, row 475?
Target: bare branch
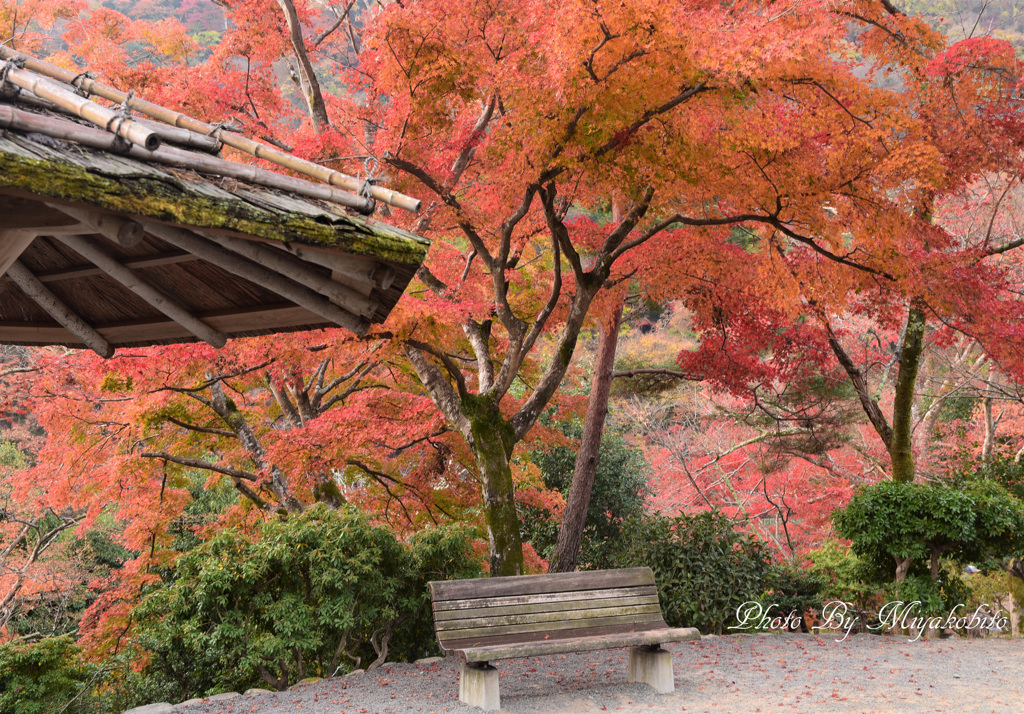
column 202, row 429
column 200, row 464
column 441, row 392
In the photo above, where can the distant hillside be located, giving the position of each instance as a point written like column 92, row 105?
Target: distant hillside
column 958, row 19
column 955, row 18
column 198, row 15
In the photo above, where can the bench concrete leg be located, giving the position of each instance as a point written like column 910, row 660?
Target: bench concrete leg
column 653, row 666
column 478, row 686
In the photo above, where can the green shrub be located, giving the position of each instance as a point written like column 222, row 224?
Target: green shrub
column 913, row 524
column 704, row 567
column 41, row 677
column 318, row 593
column 845, row 576
column 620, row 490
column 796, row 590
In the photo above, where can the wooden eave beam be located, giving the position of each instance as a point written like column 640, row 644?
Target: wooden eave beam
column 94, row 254
column 86, row 271
column 260, row 319
column 235, row 264
column 25, row 214
column 120, row 231
column 349, row 299
column 357, row 272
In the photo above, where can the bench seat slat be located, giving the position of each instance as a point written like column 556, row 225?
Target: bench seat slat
column 537, row 584
column 442, row 618
column 477, row 603
column 577, row 641
column 638, row 620
column 550, row 620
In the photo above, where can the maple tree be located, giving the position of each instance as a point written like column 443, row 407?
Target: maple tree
column 784, row 322
column 829, row 191
column 504, row 120
column 567, row 141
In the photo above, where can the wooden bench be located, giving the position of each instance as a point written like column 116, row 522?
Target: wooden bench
column 490, row 619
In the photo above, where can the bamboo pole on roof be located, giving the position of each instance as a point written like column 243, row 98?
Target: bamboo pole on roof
column 182, row 137
column 11, row 118
column 87, row 109
column 171, row 134
column 236, row 141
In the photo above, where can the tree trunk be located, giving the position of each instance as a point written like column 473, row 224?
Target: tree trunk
column 493, row 439
column 933, row 565
column 901, row 449
column 990, row 432
column 570, row 534
column 307, row 78
column 902, row 568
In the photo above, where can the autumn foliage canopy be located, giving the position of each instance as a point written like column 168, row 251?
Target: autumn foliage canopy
column 793, row 175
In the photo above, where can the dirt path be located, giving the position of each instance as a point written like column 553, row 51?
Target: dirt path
column 743, row 673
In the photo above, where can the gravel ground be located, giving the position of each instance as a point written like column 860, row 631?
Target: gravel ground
column 740, row 673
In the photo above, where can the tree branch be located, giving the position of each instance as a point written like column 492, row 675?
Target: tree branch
column 202, row 429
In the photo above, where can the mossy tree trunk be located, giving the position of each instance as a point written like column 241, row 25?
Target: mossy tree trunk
column 493, row 440
column 898, row 438
column 901, row 449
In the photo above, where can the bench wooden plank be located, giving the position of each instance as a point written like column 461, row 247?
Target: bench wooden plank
column 581, row 644
column 552, row 620
column 445, row 616
column 644, row 621
column 537, row 584
column 475, row 603
column 458, row 646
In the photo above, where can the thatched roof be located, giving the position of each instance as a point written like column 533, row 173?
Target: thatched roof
column 127, row 232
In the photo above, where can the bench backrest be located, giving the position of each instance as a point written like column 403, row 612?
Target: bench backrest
column 528, row 608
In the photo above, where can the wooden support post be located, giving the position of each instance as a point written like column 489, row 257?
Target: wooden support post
column 652, row 665
column 120, row 231
column 154, row 297
column 56, row 308
column 12, row 245
column 284, row 264
column 237, row 265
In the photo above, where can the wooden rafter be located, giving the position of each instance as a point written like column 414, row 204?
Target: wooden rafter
column 144, row 290
column 349, row 299
column 56, row 308
column 85, row 271
column 121, row 231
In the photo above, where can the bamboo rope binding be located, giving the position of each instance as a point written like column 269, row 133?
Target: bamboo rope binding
column 236, row 141
column 11, row 118
column 113, row 121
